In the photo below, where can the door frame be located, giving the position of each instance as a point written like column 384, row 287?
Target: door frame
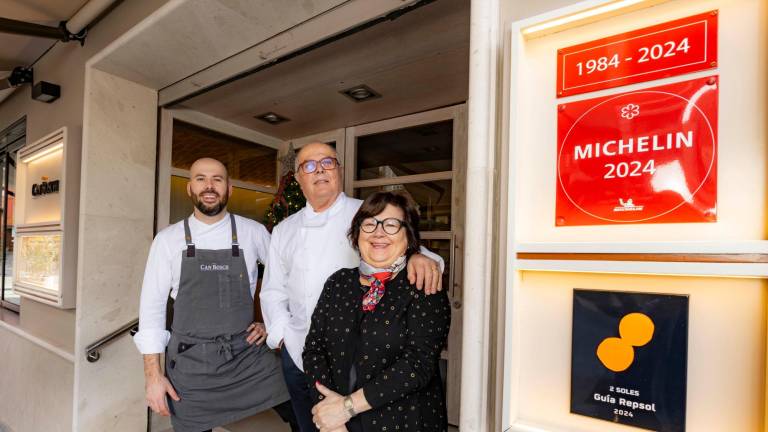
column 457, row 175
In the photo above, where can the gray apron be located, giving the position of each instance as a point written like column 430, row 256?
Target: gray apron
column 218, row 376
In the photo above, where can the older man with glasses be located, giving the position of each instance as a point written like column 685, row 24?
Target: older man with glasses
column 305, row 249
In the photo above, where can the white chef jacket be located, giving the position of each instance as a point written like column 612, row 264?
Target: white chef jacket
column 306, row 249
column 163, row 270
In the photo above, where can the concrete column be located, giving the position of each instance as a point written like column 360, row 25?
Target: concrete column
column 117, row 199
column 484, row 41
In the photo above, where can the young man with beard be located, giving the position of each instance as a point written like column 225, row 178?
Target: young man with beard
column 218, row 368
column 306, row 248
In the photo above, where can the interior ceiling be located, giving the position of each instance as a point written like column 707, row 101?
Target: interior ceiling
column 18, row 50
column 417, row 62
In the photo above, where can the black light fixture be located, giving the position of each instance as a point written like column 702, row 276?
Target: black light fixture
column 360, row 93
column 271, row 118
column 19, row 76
column 46, row 92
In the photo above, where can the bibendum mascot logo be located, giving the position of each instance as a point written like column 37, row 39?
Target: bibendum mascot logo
column 618, row 353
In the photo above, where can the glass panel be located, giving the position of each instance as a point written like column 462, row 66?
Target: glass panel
column 39, row 260
column 246, row 161
column 416, row 150
column 442, row 248
column 9, row 232
column 433, row 198
column 242, row 202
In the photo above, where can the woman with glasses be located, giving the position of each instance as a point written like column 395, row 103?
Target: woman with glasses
column 375, row 340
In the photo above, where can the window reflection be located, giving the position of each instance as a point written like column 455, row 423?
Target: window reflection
column 416, row 150
column 246, row 161
column 242, row 202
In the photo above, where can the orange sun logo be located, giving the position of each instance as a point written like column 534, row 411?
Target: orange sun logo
column 618, row 353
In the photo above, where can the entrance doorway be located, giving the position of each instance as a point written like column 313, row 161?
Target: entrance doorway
column 391, row 99
column 422, row 154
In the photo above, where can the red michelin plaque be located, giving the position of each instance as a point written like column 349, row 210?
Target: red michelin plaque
column 646, row 156
column 668, row 49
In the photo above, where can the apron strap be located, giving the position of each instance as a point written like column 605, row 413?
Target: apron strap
column 188, row 239
column 235, row 245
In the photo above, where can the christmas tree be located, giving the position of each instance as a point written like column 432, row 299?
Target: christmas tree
column 289, row 199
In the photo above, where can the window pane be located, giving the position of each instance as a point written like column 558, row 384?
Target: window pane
column 433, row 198
column 415, row 150
column 246, row 161
column 242, row 202
column 8, row 236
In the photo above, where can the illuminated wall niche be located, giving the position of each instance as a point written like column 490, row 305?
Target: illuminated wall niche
column 40, row 234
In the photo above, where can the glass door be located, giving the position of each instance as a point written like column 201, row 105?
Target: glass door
column 422, row 154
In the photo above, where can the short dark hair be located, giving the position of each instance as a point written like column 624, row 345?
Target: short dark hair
column 375, row 204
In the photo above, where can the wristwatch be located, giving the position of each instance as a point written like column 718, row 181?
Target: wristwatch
column 349, row 406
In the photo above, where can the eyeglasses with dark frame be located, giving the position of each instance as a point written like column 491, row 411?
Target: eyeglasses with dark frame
column 391, row 226
column 310, row 166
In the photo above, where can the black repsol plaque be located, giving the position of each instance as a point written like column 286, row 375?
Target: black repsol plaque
column 45, row 188
column 629, row 358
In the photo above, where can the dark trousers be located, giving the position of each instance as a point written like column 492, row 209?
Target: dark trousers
column 285, row 411
column 299, row 389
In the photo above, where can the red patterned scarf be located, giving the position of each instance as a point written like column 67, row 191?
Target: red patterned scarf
column 378, row 279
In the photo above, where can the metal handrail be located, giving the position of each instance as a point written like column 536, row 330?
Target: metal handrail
column 93, row 351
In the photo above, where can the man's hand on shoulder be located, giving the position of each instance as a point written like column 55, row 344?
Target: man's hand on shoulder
column 425, row 273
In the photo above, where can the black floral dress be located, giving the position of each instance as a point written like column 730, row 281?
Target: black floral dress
column 392, row 353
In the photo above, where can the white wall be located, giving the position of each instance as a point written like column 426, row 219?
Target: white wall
column 40, row 404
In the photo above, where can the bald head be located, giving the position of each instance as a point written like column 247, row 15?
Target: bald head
column 311, row 148
column 209, row 165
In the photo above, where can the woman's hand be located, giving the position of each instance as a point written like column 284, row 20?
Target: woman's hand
column 256, row 333
column 329, row 415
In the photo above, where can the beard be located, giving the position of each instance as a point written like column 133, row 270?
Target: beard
column 211, row 210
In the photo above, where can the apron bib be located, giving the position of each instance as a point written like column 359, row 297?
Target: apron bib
column 218, row 376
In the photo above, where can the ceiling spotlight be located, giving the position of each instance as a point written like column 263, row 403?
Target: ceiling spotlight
column 271, row 118
column 360, row 93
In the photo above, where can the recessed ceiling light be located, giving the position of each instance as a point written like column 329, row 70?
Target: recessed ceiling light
column 271, row 118
column 360, row 93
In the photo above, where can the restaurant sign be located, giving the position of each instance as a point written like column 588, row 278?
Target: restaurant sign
column 645, row 156
column 672, row 48
column 630, row 358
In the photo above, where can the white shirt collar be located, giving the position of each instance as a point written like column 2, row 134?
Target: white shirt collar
column 311, row 218
column 202, row 227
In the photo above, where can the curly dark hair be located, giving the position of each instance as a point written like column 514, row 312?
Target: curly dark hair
column 375, row 204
